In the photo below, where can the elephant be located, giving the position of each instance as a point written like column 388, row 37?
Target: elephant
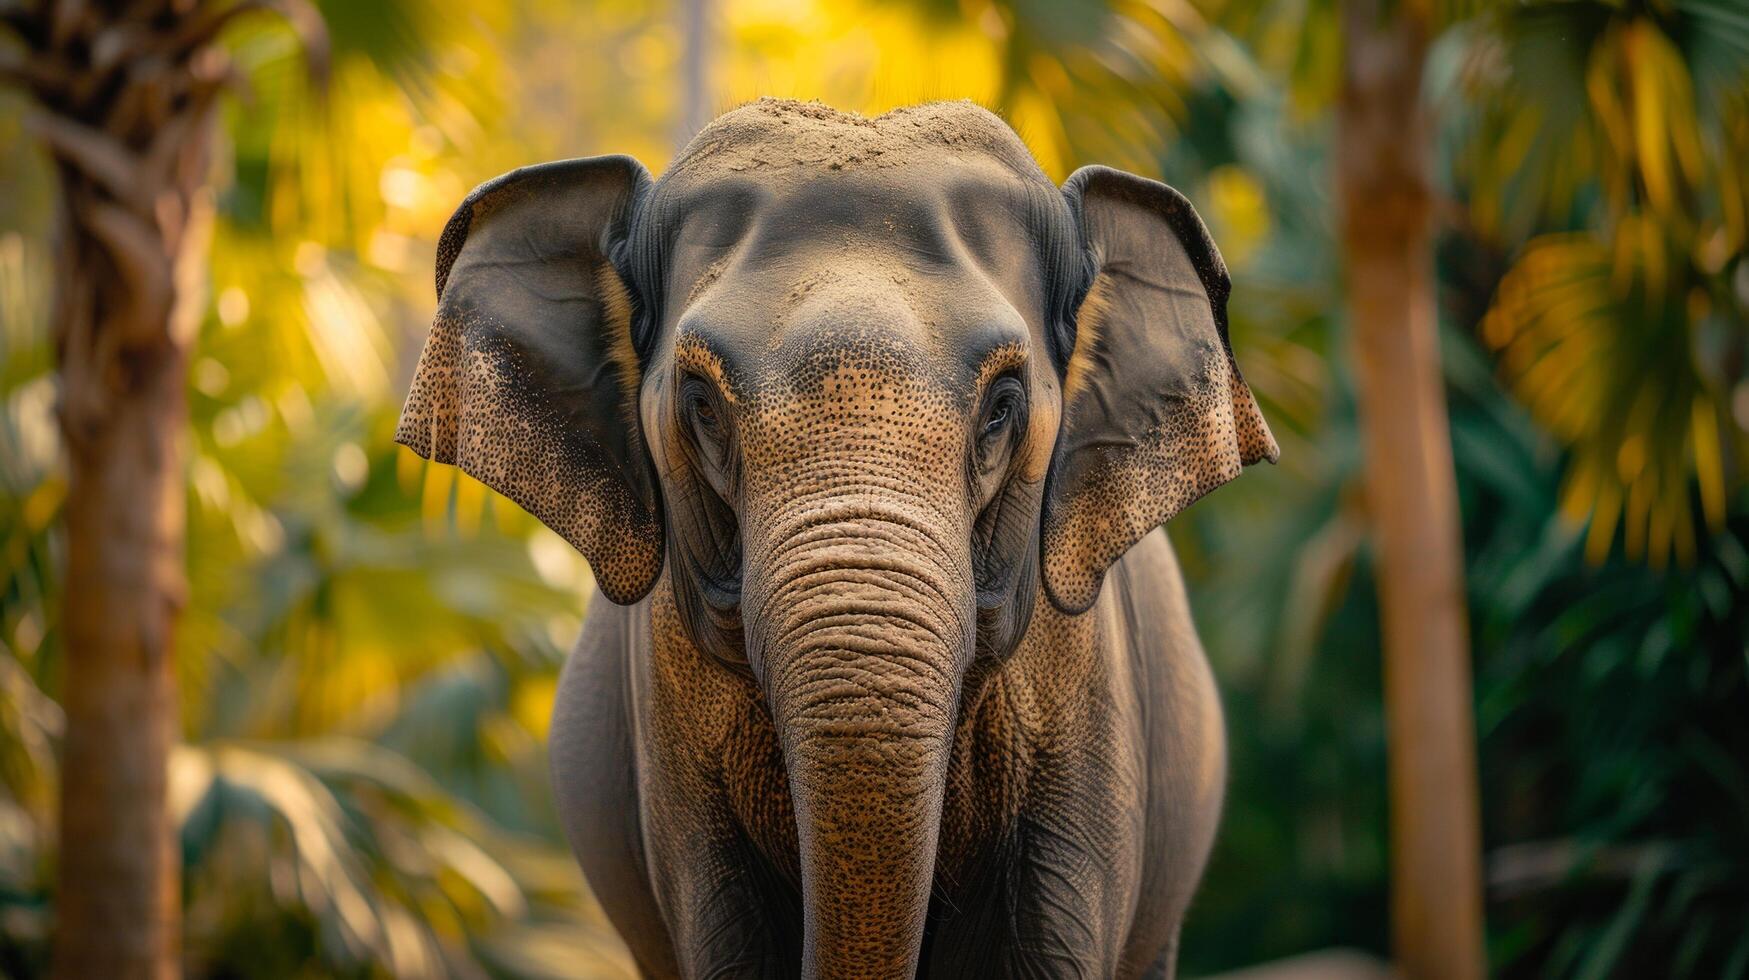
column 867, row 431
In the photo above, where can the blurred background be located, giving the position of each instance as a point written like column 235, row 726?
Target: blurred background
column 368, row 646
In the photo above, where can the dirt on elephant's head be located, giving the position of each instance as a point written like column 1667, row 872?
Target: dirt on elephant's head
column 778, row 134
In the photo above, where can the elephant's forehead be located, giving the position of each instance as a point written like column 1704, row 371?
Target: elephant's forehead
column 789, row 234
column 928, row 189
column 921, row 216
column 777, row 135
column 949, row 264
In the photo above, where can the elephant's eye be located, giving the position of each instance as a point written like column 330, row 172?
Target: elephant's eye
column 700, row 406
column 1004, row 415
column 998, row 419
column 712, row 442
column 704, row 413
column 1002, row 409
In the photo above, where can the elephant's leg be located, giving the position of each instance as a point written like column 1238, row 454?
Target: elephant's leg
column 732, row 915
column 715, row 811
column 1049, row 905
column 594, row 776
column 729, row 910
column 720, row 911
column 1166, row 964
column 1054, row 898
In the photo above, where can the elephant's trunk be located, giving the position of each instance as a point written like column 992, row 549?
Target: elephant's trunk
column 860, row 627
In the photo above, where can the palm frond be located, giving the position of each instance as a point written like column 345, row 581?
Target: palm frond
column 1601, row 350
column 391, row 873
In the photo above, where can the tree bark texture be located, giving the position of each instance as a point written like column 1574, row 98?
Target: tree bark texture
column 123, row 97
column 1383, row 146
column 118, row 901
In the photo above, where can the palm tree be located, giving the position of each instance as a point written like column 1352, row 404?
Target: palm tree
column 1621, row 330
column 126, row 101
column 1606, row 335
column 1387, row 226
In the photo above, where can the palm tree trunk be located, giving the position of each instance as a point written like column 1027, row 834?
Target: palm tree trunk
column 118, row 902
column 1387, row 236
column 123, row 363
column 123, row 101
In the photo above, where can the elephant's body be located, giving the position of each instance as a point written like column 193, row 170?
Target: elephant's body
column 853, row 419
column 1084, row 788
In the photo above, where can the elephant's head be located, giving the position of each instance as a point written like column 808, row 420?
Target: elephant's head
column 864, row 385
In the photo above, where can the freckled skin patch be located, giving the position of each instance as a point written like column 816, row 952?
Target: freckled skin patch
column 903, row 684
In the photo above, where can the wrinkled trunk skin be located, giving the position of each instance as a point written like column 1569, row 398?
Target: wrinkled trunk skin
column 1387, row 227
column 859, row 629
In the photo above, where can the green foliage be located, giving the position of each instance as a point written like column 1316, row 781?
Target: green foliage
column 1610, row 703
column 1607, row 144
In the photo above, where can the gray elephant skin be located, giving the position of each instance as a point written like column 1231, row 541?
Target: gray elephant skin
column 866, row 430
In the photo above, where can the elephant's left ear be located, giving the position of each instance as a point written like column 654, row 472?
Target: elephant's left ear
column 528, row 380
column 1155, row 413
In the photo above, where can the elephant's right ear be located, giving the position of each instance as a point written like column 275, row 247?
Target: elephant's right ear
column 528, row 381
